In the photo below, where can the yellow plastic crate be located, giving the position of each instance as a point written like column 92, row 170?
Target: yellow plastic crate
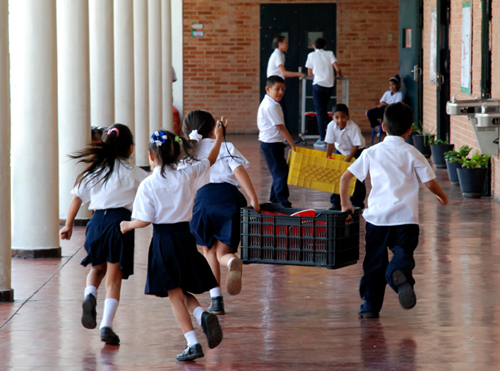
column 312, row 169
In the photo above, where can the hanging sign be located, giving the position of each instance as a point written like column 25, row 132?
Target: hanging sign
column 466, row 65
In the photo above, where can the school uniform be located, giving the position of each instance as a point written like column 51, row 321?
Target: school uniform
column 344, row 140
column 166, row 201
column 276, row 59
column 395, row 169
column 216, row 212
column 321, row 62
column 377, row 113
column 273, row 147
column 112, row 203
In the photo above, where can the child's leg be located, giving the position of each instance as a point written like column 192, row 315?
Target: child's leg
column 373, row 282
column 274, row 154
column 217, row 306
column 234, row 265
column 374, row 115
column 399, row 271
column 94, row 279
column 113, row 287
column 207, row 321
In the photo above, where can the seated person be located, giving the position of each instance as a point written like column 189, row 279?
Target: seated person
column 393, row 95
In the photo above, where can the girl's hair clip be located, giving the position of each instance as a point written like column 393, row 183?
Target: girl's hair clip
column 177, row 139
column 195, row 136
column 116, row 130
column 158, row 138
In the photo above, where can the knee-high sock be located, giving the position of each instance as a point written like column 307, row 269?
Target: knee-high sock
column 108, row 314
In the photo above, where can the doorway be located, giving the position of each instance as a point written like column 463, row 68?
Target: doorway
column 301, row 24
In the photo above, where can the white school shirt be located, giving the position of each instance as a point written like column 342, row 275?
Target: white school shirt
column 275, row 60
column 118, row 191
column 222, row 171
column 345, row 139
column 390, row 98
column 395, row 168
column 321, row 62
column 170, row 199
column 269, row 115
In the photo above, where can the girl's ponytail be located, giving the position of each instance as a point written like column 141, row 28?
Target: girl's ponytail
column 168, row 149
column 197, row 125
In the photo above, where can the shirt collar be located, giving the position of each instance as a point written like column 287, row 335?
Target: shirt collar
column 271, row 99
column 393, row 138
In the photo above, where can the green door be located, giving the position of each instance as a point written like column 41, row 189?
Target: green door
column 410, row 54
column 301, row 24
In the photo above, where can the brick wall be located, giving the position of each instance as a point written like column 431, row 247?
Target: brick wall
column 221, row 70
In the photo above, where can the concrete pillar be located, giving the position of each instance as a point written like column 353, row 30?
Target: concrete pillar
column 141, row 77
column 124, row 62
column 6, row 292
column 35, row 191
column 102, row 75
column 166, row 51
column 155, row 82
column 74, row 96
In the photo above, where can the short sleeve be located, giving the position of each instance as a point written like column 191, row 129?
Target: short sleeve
column 355, row 135
column 332, row 58
column 199, row 173
column 233, row 157
column 399, row 97
column 384, row 97
column 275, row 115
column 423, row 169
column 143, row 208
column 360, row 167
column 82, row 191
column 330, row 134
column 309, row 62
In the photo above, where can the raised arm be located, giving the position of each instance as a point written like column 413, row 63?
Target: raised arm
column 244, row 180
column 67, row 230
column 435, row 188
column 220, row 129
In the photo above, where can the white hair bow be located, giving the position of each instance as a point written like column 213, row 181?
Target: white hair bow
column 195, row 136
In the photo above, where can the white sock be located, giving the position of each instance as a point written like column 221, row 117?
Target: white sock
column 90, row 290
column 229, row 263
column 108, row 313
column 215, row 292
column 197, row 312
column 191, row 338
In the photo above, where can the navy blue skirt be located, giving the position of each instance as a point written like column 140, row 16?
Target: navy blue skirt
column 105, row 242
column 216, row 215
column 174, row 262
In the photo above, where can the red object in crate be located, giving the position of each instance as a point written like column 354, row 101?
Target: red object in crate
column 308, row 213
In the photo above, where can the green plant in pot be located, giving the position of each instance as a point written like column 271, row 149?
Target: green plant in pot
column 438, row 149
column 452, row 163
column 421, row 141
column 472, row 175
column 414, row 130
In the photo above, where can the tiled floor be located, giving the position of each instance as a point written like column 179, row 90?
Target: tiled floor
column 287, row 317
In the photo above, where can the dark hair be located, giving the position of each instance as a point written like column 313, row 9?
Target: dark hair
column 320, row 43
column 200, row 120
column 169, row 152
column 398, row 118
column 340, row 108
column 277, row 40
column 396, row 79
column 101, row 157
column 274, row 79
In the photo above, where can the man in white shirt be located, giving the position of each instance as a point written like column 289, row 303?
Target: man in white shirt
column 395, row 169
column 320, row 64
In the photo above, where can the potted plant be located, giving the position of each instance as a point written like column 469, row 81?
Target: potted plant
column 421, row 140
column 472, row 175
column 414, row 130
column 452, row 163
column 438, row 148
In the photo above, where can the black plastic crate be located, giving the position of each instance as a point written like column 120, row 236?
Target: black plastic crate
column 321, row 241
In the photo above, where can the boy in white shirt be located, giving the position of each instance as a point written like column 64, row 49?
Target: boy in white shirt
column 344, row 136
column 320, row 64
column 395, row 168
column 272, row 134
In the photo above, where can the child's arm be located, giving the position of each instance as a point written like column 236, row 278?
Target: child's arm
column 284, row 132
column 287, row 74
column 219, row 136
column 67, row 230
column 310, row 72
column 244, row 180
column 435, row 188
column 337, row 69
column 329, row 149
column 345, row 200
column 352, row 153
column 127, row 226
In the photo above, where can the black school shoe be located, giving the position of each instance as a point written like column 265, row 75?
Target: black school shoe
column 109, row 336
column 211, row 328
column 89, row 312
column 217, row 306
column 406, row 295
column 191, row 353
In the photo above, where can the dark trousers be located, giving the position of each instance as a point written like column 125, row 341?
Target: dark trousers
column 402, row 240
column 274, row 153
column 321, row 97
column 359, row 195
column 374, row 115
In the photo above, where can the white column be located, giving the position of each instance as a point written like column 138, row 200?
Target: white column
column 6, row 292
column 124, row 62
column 73, row 94
column 102, row 86
column 34, row 128
column 177, row 53
column 166, row 51
column 155, row 96
column 141, row 82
